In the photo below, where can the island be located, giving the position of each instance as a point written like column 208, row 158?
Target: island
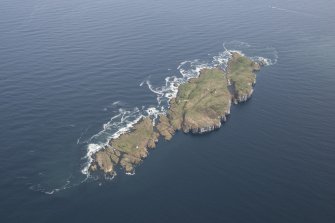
column 201, row 105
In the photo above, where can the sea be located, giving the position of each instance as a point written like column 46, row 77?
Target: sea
column 76, row 73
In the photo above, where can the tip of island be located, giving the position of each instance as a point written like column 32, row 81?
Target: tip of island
column 201, row 105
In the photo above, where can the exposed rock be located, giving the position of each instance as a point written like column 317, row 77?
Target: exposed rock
column 104, row 161
column 129, row 149
column 164, row 127
column 201, row 105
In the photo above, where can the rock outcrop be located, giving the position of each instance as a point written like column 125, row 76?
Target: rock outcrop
column 201, row 105
column 128, row 150
column 241, row 74
column 164, row 127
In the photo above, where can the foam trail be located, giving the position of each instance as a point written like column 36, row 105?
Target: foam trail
column 40, row 188
column 293, row 11
column 265, row 61
column 81, row 135
column 91, row 149
column 118, row 125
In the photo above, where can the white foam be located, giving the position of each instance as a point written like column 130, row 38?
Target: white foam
column 265, row 61
column 158, row 92
column 125, row 129
column 187, row 69
column 118, row 125
column 153, row 112
column 91, row 149
column 124, row 121
column 81, row 135
column 40, row 188
column 109, row 177
column 131, row 173
column 236, row 51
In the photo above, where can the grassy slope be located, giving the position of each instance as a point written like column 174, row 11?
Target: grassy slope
column 241, row 74
column 200, row 102
column 129, row 149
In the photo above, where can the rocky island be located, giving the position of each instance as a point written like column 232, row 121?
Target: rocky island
column 201, row 105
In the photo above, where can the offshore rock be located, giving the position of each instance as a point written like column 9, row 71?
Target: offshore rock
column 201, row 105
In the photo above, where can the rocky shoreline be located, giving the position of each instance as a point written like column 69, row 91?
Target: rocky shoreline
column 201, row 106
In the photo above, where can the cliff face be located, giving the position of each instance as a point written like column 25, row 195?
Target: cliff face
column 241, row 75
column 201, row 105
column 243, row 97
column 209, row 126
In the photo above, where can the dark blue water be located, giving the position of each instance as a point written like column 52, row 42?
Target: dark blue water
column 64, row 63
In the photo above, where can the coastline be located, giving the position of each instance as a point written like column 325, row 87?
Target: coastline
column 128, row 154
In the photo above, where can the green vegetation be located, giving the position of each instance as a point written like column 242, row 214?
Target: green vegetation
column 201, row 103
column 200, row 106
column 129, row 149
column 241, row 75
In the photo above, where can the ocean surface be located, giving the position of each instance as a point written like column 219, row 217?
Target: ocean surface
column 74, row 72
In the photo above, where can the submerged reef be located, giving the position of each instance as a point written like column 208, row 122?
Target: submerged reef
column 201, row 105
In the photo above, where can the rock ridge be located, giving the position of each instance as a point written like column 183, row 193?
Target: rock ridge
column 201, row 106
